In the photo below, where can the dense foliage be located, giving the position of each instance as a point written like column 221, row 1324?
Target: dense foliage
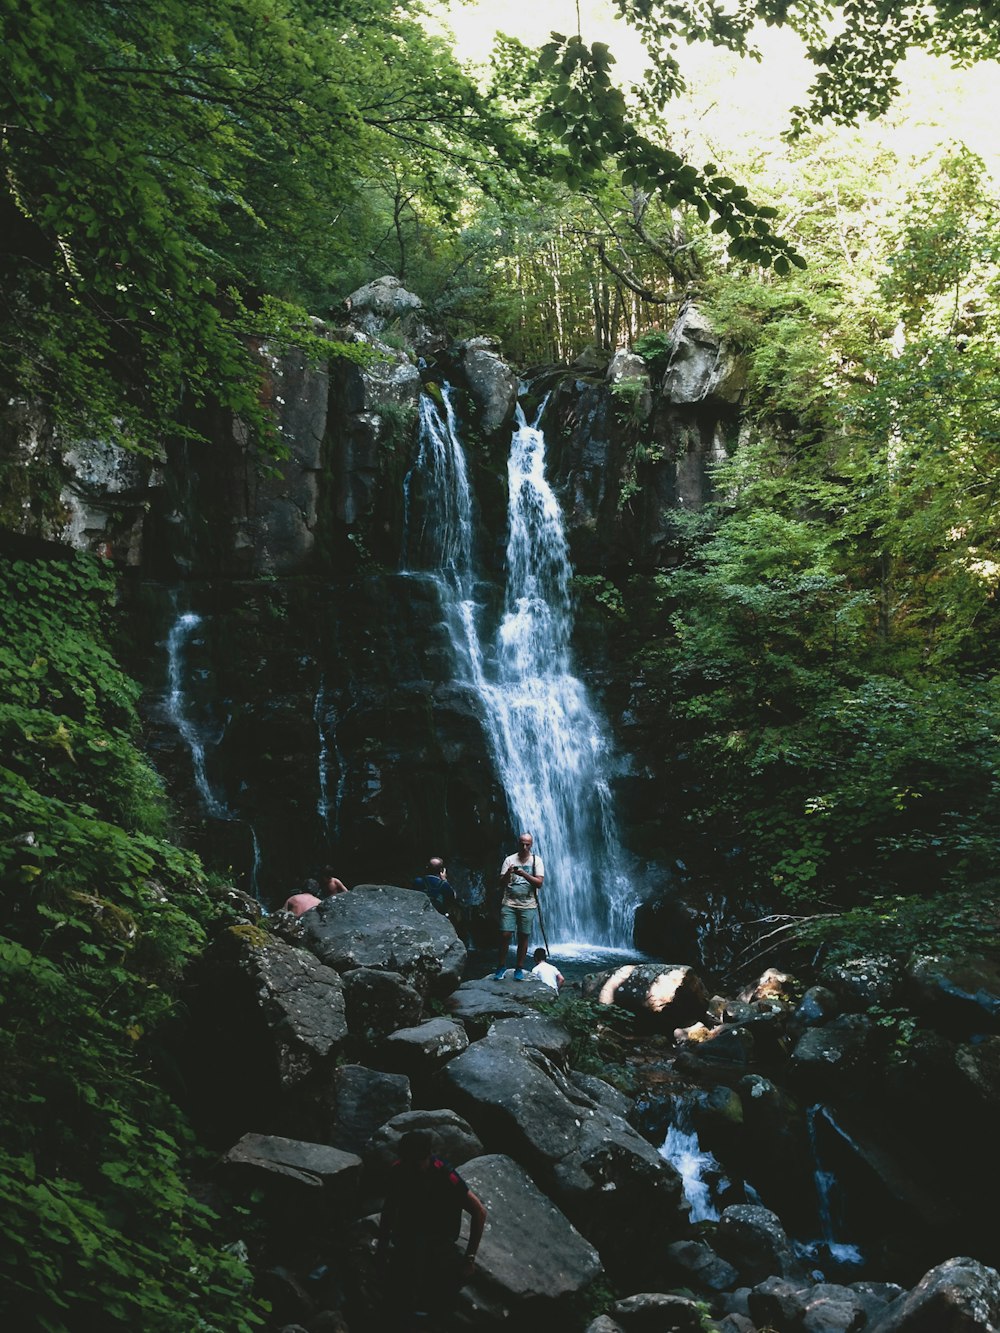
column 179, row 182
column 98, row 916
column 830, row 663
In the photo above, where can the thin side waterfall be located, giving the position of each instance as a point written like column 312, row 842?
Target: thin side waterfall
column 826, row 1194
column 328, row 804
column 177, row 639
column 177, row 710
column 549, row 746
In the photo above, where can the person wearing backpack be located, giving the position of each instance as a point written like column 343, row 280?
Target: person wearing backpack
column 434, row 882
column 521, row 878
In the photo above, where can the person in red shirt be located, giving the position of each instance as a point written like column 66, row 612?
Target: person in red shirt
column 420, row 1222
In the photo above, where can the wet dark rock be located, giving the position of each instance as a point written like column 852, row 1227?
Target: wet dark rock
column 736, row 1323
column 699, row 1267
column 829, row 1056
column 288, row 1296
column 532, row 1262
column 653, row 1312
column 958, row 994
column 822, row 1308
column 753, row 1240
column 863, row 982
column 959, row 1296
column 876, row 1297
column 378, row 1003
column 774, row 1131
column 818, row 1005
column 391, row 929
column 359, row 1101
column 422, row 1050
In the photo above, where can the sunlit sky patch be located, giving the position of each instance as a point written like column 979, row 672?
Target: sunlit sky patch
column 733, row 100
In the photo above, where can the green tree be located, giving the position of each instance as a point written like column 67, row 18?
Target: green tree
column 169, row 171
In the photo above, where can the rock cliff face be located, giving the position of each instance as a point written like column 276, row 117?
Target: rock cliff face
column 317, row 681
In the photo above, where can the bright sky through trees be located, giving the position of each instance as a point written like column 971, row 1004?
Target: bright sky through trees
column 734, row 99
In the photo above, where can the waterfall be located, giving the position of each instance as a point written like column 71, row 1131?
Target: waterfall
column 695, row 1167
column 180, row 632
column 549, row 746
column 177, row 711
column 826, row 1194
column 327, row 807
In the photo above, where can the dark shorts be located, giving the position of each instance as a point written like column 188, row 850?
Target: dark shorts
column 425, row 1277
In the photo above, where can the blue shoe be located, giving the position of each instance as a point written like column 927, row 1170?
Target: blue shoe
column 518, row 975
column 499, row 974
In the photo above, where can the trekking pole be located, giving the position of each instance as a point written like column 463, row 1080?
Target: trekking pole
column 541, row 921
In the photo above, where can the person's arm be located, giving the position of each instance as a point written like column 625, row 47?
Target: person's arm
column 535, row 880
column 477, row 1222
column 560, row 980
column 336, row 886
column 386, row 1226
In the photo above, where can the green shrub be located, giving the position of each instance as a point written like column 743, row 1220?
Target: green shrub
column 98, row 918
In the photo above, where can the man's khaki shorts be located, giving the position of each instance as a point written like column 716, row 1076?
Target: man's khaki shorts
column 517, row 919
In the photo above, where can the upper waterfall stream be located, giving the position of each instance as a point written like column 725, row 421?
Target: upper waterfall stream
column 549, row 745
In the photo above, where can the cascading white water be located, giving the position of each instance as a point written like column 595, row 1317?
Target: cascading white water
column 549, row 747
column 178, row 637
column 180, row 632
column 694, row 1165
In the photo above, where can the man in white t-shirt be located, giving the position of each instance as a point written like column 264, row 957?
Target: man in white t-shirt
column 521, row 878
column 547, row 971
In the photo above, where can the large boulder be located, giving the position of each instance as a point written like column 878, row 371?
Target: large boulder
column 959, row 1296
column 317, row 1181
column 860, row 983
column 664, row 997
column 480, row 1003
column 378, row 1002
column 597, row 1168
column 268, row 1025
column 821, row 1308
column 385, row 306
column 492, row 383
column 532, row 1262
column 701, row 366
column 962, row 994
column 391, row 929
column 753, row 1240
column 832, row 1055
column 421, row 1050
column 358, row 1101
